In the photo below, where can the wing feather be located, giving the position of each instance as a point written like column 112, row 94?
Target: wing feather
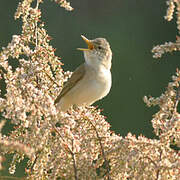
column 76, row 76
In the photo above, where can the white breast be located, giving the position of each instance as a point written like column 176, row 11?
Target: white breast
column 94, row 86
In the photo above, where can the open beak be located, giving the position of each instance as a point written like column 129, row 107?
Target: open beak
column 88, row 42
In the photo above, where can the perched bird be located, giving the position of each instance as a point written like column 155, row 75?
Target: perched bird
column 91, row 81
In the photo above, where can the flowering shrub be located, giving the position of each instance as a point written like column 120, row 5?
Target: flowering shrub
column 159, row 50
column 77, row 144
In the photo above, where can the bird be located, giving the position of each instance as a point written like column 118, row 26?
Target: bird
column 92, row 80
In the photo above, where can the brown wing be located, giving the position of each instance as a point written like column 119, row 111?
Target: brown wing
column 76, row 76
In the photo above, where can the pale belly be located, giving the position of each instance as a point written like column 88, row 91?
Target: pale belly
column 88, row 90
column 87, row 93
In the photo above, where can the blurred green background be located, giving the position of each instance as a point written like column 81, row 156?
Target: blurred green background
column 132, row 27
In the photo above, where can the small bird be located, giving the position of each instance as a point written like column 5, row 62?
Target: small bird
column 91, row 81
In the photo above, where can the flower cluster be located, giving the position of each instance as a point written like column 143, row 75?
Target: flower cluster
column 77, row 144
column 170, row 10
column 64, row 4
column 159, row 50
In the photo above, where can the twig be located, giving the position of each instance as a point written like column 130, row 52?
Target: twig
column 102, row 151
column 74, row 162
column 36, row 31
column 10, row 177
column 72, row 154
column 52, row 80
column 177, row 99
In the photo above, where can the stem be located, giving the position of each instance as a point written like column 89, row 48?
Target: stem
column 36, row 31
column 74, row 163
column 72, row 154
column 103, row 153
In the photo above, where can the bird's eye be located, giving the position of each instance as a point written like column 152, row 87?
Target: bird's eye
column 99, row 47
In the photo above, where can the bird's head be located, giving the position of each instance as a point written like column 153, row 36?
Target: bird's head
column 98, row 52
